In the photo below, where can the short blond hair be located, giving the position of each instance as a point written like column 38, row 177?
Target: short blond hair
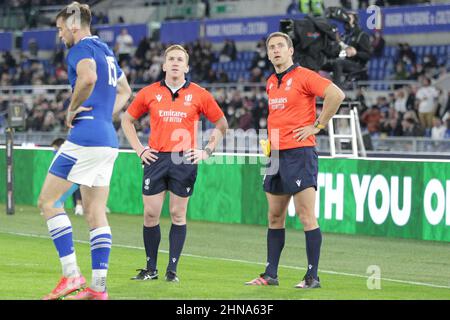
column 280, row 34
column 177, row 47
column 73, row 8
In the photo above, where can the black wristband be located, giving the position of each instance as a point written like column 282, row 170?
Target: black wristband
column 145, row 149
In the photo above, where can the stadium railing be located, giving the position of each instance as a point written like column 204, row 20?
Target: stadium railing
column 239, row 141
column 236, row 140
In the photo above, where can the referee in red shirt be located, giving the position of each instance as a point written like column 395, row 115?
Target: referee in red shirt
column 170, row 162
column 292, row 126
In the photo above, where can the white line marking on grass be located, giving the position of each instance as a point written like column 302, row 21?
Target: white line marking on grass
column 244, row 261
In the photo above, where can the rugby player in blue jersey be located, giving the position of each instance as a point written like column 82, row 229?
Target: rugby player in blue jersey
column 99, row 89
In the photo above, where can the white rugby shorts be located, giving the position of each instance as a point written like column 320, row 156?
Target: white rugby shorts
column 88, row 166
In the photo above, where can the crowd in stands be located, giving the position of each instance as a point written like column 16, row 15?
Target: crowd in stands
column 413, row 110
column 408, row 67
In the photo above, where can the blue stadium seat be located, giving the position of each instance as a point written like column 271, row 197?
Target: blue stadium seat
column 250, row 55
column 419, row 50
column 392, row 52
column 435, row 50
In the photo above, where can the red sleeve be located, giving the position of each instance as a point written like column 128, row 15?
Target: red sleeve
column 315, row 84
column 210, row 108
column 139, row 106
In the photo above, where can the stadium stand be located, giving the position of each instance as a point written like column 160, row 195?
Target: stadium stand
column 394, row 77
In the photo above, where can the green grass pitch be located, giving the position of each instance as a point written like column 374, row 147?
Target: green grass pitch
column 218, row 259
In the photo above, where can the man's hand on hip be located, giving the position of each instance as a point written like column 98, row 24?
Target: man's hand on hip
column 72, row 114
column 303, row 133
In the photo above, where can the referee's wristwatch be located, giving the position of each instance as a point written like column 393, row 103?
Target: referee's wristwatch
column 318, row 125
column 208, row 151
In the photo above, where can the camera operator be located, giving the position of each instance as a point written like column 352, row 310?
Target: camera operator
column 356, row 51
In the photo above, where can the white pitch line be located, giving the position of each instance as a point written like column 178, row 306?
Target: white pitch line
column 244, row 261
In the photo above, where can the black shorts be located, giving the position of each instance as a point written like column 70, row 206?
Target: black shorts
column 297, row 170
column 165, row 174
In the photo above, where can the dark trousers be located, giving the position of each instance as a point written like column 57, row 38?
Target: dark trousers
column 341, row 67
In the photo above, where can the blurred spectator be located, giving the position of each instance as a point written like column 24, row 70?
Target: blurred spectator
column 442, row 102
column 124, row 46
column 438, row 129
column 228, row 52
column 371, row 118
column 49, row 121
column 33, row 49
column 260, row 61
column 378, row 44
column 400, row 71
column 429, row 61
column 411, row 128
column 411, row 97
column 246, row 119
column 9, row 60
column 392, row 127
column 400, row 101
column 416, row 71
column 211, row 77
column 383, row 105
column 257, row 75
column 155, row 71
column 143, row 47
column 406, row 54
column 426, row 96
column 223, row 77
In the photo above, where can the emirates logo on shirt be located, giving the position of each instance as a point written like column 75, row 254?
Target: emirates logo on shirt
column 277, row 103
column 172, row 116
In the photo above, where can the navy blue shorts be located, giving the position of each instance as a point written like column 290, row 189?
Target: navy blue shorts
column 165, row 174
column 297, row 170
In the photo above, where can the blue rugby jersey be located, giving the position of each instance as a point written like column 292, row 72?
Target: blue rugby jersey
column 95, row 127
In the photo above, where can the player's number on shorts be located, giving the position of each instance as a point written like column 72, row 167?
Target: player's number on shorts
column 112, row 71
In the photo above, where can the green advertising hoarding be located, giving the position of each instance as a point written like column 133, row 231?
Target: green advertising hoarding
column 406, row 199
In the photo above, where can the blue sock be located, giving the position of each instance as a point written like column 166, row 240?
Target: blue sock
column 177, row 236
column 152, row 238
column 313, row 244
column 275, row 244
column 60, row 230
column 101, row 241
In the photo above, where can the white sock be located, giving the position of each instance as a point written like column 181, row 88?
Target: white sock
column 69, row 266
column 98, row 282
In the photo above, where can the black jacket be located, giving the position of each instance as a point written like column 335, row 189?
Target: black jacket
column 360, row 40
